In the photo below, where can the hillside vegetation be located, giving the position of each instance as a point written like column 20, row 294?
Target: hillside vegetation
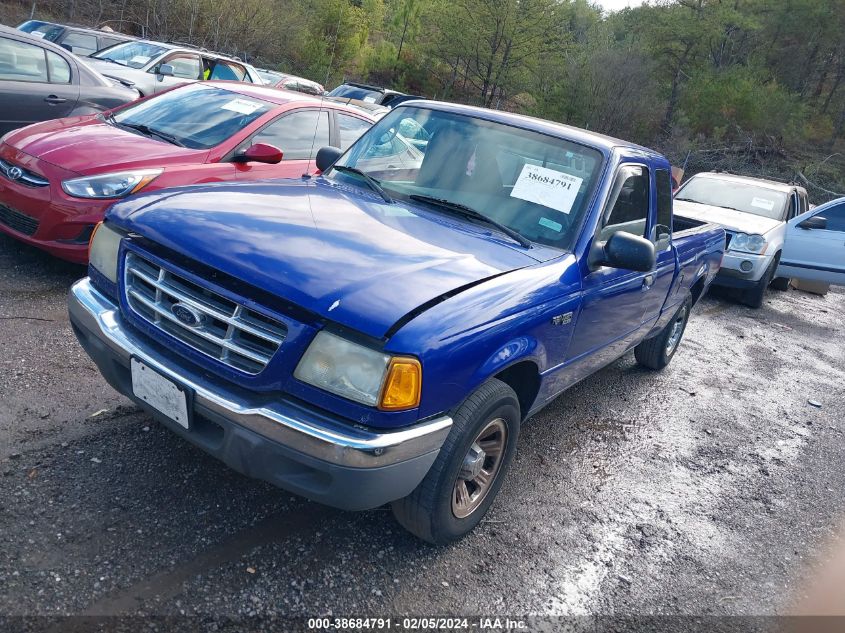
column 754, row 86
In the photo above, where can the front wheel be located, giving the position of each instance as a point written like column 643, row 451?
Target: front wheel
column 753, row 297
column 657, row 351
column 466, row 476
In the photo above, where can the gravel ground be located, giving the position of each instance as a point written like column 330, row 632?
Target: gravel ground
column 705, row 489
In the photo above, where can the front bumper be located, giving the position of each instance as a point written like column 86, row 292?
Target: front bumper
column 732, row 275
column 288, row 444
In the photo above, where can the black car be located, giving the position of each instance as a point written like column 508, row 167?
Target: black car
column 41, row 81
column 370, row 94
column 77, row 39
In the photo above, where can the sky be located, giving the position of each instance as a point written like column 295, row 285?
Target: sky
column 615, row 5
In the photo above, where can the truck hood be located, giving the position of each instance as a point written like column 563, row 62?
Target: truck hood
column 728, row 218
column 87, row 145
column 334, row 250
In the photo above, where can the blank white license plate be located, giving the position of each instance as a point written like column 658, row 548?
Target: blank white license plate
column 159, row 392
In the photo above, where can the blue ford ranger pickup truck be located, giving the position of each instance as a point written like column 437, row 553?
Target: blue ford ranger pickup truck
column 378, row 333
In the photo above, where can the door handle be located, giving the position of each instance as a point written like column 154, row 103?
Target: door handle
column 648, row 281
column 53, row 99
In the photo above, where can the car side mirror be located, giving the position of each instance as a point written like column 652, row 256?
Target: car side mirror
column 260, row 153
column 165, row 70
column 626, row 251
column 814, row 222
column 327, row 156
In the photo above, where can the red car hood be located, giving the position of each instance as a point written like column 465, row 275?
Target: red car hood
column 87, row 145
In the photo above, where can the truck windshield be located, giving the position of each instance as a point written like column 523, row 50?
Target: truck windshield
column 737, row 195
column 195, row 116
column 537, row 185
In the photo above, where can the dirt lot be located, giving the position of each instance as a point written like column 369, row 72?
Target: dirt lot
column 705, row 489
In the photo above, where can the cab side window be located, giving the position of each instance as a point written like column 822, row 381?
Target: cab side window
column 227, row 71
column 185, row 65
column 299, row 134
column 80, row 43
column 835, row 217
column 58, row 68
column 629, row 203
column 350, row 129
column 22, row 62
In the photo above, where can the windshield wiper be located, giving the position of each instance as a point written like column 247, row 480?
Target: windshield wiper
column 469, row 212
column 720, row 206
column 371, row 182
column 146, row 129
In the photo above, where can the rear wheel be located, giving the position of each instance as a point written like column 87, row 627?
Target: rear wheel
column 656, row 352
column 466, row 476
column 780, row 283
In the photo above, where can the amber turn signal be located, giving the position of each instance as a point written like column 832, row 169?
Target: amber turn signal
column 93, row 233
column 402, row 386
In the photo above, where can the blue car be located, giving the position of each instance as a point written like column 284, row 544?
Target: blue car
column 378, row 333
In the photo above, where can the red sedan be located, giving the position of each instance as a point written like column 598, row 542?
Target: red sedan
column 57, row 178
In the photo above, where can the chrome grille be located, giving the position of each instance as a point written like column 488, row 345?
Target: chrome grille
column 21, row 175
column 18, row 221
column 226, row 330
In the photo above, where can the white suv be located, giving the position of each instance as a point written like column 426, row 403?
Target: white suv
column 152, row 67
column 754, row 213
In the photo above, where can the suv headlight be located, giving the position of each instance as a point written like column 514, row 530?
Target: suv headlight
column 360, row 373
column 102, row 251
column 116, row 185
column 748, row 243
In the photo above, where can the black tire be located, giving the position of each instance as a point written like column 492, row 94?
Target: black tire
column 655, row 352
column 780, row 283
column 428, row 511
column 753, row 297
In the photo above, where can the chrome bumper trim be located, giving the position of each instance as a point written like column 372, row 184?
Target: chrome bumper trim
column 337, row 443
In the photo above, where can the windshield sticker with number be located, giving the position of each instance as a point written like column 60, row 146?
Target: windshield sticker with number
column 762, row 203
column 242, row 106
column 547, row 187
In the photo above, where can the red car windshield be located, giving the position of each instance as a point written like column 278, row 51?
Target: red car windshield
column 196, row 116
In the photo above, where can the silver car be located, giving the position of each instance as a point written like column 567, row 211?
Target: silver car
column 153, row 67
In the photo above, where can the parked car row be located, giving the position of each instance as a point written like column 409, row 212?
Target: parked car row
column 772, row 234
column 59, row 176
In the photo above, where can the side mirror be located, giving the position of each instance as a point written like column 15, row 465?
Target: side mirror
column 626, row 251
column 813, row 222
column 326, row 157
column 260, row 153
column 165, row 70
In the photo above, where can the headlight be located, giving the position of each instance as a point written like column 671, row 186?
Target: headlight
column 361, row 374
column 748, row 243
column 102, row 251
column 116, row 185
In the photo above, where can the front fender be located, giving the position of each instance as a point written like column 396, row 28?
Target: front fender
column 483, row 331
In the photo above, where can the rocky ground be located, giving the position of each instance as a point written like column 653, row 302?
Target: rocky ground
column 706, row 489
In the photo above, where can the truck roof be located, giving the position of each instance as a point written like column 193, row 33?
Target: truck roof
column 761, row 182
column 578, row 135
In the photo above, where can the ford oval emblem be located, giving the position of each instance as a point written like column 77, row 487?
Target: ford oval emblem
column 187, row 315
column 15, row 173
